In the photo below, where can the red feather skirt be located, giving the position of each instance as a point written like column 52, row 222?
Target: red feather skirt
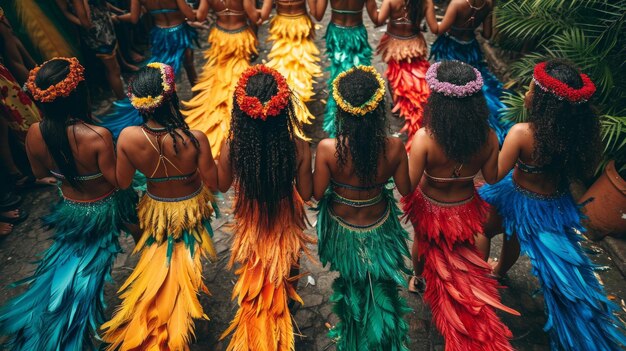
column 460, row 290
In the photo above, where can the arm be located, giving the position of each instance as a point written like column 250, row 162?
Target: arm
column 448, row 19
column 321, row 174
column 488, row 24
column 113, row 8
column 82, row 12
column 184, row 7
column 253, row 14
column 372, row 10
column 511, row 150
column 383, row 14
column 62, row 4
column 32, row 138
column 319, row 9
column 401, row 176
column 134, row 14
column 206, row 164
column 490, row 168
column 106, row 156
column 125, row 170
column 266, row 9
column 418, row 157
column 304, row 179
column 203, row 10
column 224, row 169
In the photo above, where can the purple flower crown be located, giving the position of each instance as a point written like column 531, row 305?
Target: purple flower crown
column 453, row 90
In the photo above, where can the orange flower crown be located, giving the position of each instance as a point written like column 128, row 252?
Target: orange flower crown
column 63, row 88
column 251, row 105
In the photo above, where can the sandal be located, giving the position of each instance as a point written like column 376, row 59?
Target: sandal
column 417, row 285
column 15, row 220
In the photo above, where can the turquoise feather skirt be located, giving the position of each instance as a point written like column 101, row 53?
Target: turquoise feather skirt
column 371, row 264
column 64, row 304
column 169, row 44
column 580, row 317
column 346, row 47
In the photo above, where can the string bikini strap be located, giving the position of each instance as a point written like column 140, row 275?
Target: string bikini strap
column 162, row 158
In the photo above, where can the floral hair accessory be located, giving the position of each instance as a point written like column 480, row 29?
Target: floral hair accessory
column 453, row 90
column 561, row 90
column 251, row 105
column 63, row 88
column 371, row 104
column 149, row 103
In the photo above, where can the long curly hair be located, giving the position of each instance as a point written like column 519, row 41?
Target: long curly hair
column 567, row 135
column 459, row 125
column 263, row 154
column 148, row 82
column 59, row 114
column 361, row 138
column 415, row 9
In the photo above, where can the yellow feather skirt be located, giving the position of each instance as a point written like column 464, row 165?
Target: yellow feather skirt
column 296, row 57
column 41, row 31
column 210, row 109
column 263, row 321
column 160, row 297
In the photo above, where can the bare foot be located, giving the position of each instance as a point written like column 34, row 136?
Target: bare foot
column 5, row 228
column 11, row 214
column 46, row 181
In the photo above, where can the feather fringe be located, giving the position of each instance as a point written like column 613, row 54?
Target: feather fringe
column 580, row 317
column 64, row 304
column 449, row 48
column 123, row 115
column 160, row 297
column 169, row 44
column 371, row 264
column 210, row 109
column 263, row 321
column 406, row 72
column 346, row 47
column 460, row 290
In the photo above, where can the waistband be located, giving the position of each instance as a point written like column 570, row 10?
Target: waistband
column 103, row 198
column 361, row 228
column 462, row 42
column 356, row 26
column 292, row 15
column 231, row 31
column 401, row 37
column 172, row 28
column 445, row 203
column 175, row 199
column 534, row 195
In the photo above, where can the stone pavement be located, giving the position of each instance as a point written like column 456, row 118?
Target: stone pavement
column 20, row 249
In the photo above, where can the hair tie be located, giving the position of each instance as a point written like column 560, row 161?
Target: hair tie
column 149, row 103
column 453, row 90
column 251, row 105
column 371, row 104
column 561, row 90
column 61, row 89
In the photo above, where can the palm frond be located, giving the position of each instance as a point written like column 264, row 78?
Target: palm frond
column 515, row 110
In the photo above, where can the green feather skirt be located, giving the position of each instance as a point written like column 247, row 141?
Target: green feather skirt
column 371, row 263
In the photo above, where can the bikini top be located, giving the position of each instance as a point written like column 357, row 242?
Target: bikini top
column 228, row 11
column 163, row 160
column 357, row 203
column 531, row 169
column 80, row 178
column 404, row 19
column 160, row 11
column 456, row 176
column 471, row 21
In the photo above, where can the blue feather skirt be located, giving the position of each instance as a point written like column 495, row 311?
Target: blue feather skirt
column 64, row 304
column 371, row 264
column 169, row 44
column 346, row 47
column 580, row 317
column 447, row 47
column 123, row 115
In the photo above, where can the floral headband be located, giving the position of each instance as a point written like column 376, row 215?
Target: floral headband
column 453, row 90
column 561, row 90
column 149, row 103
column 251, row 105
column 371, row 104
column 63, row 88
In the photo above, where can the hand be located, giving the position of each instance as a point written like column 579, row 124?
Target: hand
column 115, row 19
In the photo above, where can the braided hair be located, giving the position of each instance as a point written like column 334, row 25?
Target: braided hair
column 362, row 138
column 263, row 154
column 149, row 82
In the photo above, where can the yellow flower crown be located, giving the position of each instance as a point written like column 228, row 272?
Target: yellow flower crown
column 149, row 103
column 371, row 104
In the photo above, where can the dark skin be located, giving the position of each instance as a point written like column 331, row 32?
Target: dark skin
column 396, row 9
column 393, row 163
column 427, row 155
column 348, row 20
column 304, row 183
column 16, row 57
column 183, row 13
column 287, row 7
column 234, row 21
column 458, row 14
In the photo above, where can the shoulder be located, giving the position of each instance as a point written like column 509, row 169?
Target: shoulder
column 520, row 130
column 394, row 144
column 201, row 137
column 326, row 145
column 33, row 130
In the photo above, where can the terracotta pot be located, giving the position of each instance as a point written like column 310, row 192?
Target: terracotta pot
column 606, row 212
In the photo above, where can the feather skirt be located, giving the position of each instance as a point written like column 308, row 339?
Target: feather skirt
column 406, row 73
column 160, row 297
column 209, row 110
column 266, row 254
column 296, row 57
column 371, row 266
column 460, row 290
column 64, row 304
column 169, row 44
column 346, row 47
column 580, row 317
column 123, row 115
column 448, row 48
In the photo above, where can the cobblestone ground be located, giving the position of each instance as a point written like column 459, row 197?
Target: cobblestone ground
column 19, row 250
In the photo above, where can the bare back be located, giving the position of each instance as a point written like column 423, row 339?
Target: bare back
column 400, row 23
column 165, row 13
column 231, row 14
column 290, row 7
column 347, row 12
column 470, row 14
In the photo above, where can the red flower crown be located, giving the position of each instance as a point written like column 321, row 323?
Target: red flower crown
column 561, row 90
column 251, row 105
column 63, row 88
